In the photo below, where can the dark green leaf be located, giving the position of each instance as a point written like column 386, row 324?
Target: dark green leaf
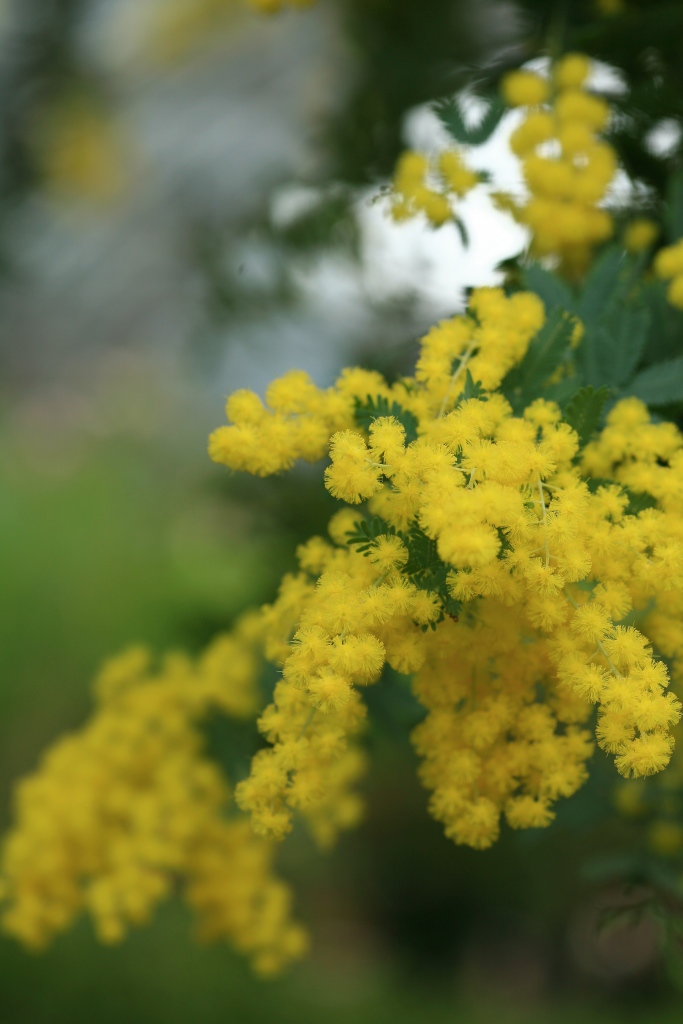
column 329, row 223
column 600, row 285
column 619, row 342
column 545, row 353
column 562, row 390
column 472, row 389
column 600, row 306
column 665, row 337
column 638, row 501
column 551, row 290
column 462, row 231
column 633, row 868
column 584, row 410
column 661, row 384
column 423, row 556
column 452, row 118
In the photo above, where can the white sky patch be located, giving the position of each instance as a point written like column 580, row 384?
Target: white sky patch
column 289, row 203
column 333, row 287
column 607, row 79
column 664, row 138
column 424, row 131
column 620, row 192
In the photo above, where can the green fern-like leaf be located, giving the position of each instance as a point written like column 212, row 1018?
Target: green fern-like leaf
column 451, row 116
column 584, row 409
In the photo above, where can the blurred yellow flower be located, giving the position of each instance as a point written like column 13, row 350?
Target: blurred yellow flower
column 640, row 234
column 81, row 151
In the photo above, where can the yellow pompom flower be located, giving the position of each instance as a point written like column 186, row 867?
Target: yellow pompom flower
column 388, row 553
column 640, row 234
column 424, row 186
column 668, row 265
column 666, row 838
column 571, row 71
column 538, row 127
column 675, row 292
column 353, row 475
column 524, row 89
column 458, row 178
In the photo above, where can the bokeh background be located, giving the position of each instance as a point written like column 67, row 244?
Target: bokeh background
column 191, row 201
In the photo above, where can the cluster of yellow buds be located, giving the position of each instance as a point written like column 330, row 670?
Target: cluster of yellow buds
column 81, row 152
column 566, row 166
column 492, row 514
column 128, row 809
column 669, row 266
column 421, row 185
column 311, row 766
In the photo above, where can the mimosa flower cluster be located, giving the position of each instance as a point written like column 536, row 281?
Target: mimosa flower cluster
column 492, row 557
column 490, row 568
column 567, row 167
column 669, row 266
column 424, row 185
column 130, row 809
column 526, row 578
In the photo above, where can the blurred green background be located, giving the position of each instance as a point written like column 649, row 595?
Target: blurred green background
column 186, row 207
